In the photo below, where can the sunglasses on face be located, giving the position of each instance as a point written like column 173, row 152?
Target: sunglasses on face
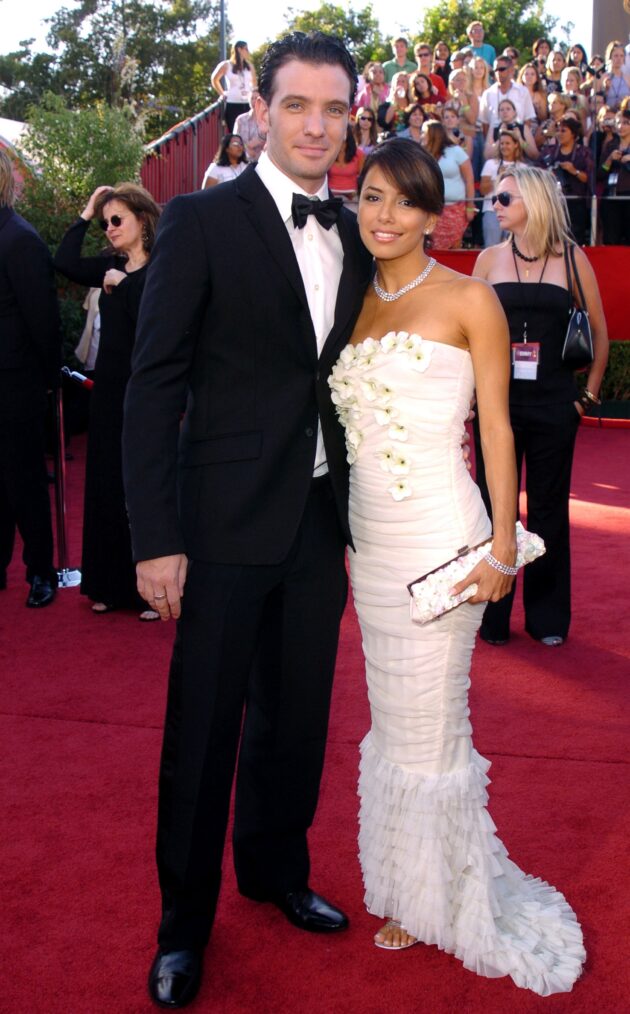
column 505, row 199
column 115, row 220
column 499, row 70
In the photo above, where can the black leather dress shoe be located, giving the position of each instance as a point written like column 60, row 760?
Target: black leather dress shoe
column 174, row 978
column 42, row 593
column 309, row 911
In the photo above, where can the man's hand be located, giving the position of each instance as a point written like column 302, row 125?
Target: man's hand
column 161, row 584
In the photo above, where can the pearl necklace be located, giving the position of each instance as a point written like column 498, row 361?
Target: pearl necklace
column 389, row 297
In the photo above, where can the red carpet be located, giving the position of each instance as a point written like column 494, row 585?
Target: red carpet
column 81, row 708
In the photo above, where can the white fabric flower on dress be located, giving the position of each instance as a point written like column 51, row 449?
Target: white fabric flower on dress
column 347, row 356
column 370, row 389
column 392, row 339
column 385, row 415
column 398, row 431
column 386, row 458
column 400, row 465
column 366, row 352
column 400, row 490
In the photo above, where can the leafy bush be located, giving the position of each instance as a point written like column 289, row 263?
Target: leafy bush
column 616, row 383
column 70, row 153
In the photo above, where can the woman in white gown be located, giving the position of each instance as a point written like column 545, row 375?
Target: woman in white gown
column 426, row 338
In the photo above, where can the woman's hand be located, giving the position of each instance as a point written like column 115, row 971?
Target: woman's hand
column 579, row 407
column 89, row 209
column 112, row 278
column 492, row 585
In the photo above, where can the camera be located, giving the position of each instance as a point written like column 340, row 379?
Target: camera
column 455, row 131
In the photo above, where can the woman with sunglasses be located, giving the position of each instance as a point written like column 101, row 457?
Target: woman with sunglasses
column 365, row 130
column 529, row 275
column 129, row 215
column 228, row 163
column 508, row 151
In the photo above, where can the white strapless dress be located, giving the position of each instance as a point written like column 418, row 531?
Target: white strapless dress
column 428, row 849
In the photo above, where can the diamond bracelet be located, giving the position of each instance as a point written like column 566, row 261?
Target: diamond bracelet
column 503, row 568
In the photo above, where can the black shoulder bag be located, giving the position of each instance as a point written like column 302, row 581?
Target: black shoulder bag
column 577, row 351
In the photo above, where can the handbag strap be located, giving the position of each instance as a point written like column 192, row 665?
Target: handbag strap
column 569, row 279
column 583, row 305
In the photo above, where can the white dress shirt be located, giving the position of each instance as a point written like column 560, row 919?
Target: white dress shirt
column 319, row 254
column 518, row 94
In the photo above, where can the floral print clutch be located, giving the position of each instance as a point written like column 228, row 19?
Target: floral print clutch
column 430, row 594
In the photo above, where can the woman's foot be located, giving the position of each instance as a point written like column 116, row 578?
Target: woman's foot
column 102, row 607
column 394, row 937
column 552, row 641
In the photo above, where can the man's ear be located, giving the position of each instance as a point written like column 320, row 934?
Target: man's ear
column 261, row 112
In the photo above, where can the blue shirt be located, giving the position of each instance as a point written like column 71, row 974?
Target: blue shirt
column 486, row 51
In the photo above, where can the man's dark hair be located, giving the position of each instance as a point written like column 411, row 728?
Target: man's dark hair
column 410, row 168
column 316, row 47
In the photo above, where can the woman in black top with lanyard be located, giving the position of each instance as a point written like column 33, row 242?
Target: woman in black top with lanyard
column 129, row 216
column 529, row 274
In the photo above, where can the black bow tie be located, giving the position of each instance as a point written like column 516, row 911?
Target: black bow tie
column 326, row 212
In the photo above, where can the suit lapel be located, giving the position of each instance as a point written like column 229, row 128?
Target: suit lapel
column 354, row 278
column 264, row 217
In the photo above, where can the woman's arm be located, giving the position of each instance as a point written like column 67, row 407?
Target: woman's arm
column 217, row 74
column 484, row 325
column 529, row 143
column 68, row 260
column 466, row 172
column 599, row 328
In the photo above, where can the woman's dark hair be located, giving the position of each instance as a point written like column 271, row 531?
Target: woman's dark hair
column 583, row 61
column 538, row 42
column 140, row 204
column 412, row 83
column 236, row 59
column 538, row 86
column 574, row 125
column 442, row 43
column 222, row 157
column 411, row 169
column 350, row 149
column 437, row 139
column 411, row 109
column 316, row 47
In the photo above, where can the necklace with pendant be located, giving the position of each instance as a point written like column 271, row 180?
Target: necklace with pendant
column 528, row 260
column 389, row 297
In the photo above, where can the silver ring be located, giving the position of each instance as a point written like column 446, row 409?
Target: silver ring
column 159, row 596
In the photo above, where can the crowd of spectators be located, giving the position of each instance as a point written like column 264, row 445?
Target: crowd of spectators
column 550, row 107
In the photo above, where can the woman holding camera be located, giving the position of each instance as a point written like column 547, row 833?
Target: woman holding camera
column 572, row 164
column 615, row 166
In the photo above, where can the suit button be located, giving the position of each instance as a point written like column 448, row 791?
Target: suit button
column 309, row 431
column 317, row 375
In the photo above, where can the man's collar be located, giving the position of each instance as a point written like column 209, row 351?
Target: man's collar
column 281, row 187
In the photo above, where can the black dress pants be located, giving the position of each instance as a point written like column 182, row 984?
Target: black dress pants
column 544, row 438
column 24, row 497
column 253, row 661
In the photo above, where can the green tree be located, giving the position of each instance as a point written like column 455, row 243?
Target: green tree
column 358, row 29
column 155, row 58
column 26, row 76
column 506, row 22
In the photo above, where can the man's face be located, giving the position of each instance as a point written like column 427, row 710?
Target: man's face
column 306, row 120
column 423, row 56
column 400, row 49
column 476, row 35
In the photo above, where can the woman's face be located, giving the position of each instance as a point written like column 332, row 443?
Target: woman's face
column 479, row 67
column 572, row 83
column 366, row 119
column 543, row 50
column 529, row 77
column 514, row 216
column 557, row 62
column 416, row 119
column 389, row 223
column 458, row 84
column 556, row 106
column 577, row 55
column 565, row 134
column 507, row 148
column 377, row 75
column 127, row 234
column 507, row 112
column 441, row 51
column 234, row 149
column 623, row 128
column 450, row 119
column 617, row 57
column 421, row 85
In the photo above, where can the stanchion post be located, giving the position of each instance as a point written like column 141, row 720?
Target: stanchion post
column 67, row 578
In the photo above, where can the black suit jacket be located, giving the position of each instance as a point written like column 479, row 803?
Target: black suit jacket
column 225, row 331
column 30, row 339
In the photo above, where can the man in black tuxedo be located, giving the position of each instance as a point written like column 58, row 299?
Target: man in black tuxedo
column 30, row 354
column 248, row 303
